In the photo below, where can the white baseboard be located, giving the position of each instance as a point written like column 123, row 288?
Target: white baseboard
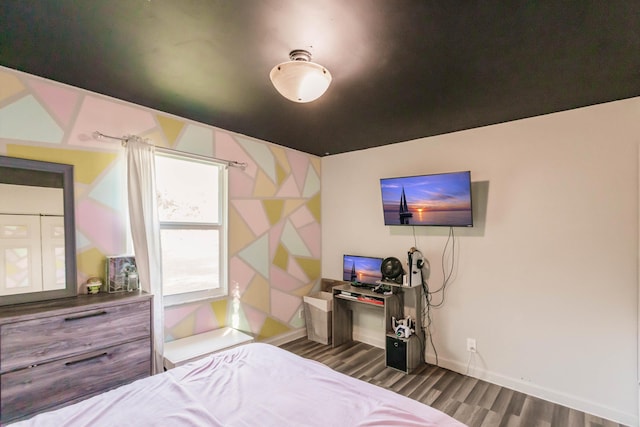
column 554, row 396
column 286, row 337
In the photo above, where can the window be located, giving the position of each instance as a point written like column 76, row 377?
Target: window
column 192, row 209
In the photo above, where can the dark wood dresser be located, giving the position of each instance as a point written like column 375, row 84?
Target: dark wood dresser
column 55, row 353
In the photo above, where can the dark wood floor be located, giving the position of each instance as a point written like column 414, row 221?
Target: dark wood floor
column 469, row 400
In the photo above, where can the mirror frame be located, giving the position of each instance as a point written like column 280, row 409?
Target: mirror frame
column 71, row 288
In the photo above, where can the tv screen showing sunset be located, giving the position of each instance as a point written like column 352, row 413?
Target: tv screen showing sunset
column 438, row 200
column 361, row 269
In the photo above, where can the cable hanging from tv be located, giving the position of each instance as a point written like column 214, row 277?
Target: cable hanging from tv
column 429, row 294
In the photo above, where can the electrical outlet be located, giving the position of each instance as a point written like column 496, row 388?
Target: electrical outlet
column 471, row 345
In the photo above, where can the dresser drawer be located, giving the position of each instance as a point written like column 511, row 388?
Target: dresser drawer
column 28, row 391
column 31, row 342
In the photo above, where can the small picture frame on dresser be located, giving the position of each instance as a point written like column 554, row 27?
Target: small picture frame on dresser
column 121, row 274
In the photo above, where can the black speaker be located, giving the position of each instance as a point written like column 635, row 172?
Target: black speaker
column 396, row 353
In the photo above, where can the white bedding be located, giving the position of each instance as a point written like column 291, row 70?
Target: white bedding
column 252, row 385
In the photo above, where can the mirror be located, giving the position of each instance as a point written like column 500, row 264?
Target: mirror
column 37, row 231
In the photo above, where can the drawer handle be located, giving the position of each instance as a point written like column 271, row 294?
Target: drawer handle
column 84, row 316
column 97, row 356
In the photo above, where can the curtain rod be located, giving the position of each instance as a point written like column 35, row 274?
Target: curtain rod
column 127, row 138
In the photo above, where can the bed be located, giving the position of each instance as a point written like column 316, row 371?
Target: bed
column 251, row 385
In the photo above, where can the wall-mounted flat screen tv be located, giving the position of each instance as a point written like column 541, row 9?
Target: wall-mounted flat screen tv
column 438, row 200
column 361, row 270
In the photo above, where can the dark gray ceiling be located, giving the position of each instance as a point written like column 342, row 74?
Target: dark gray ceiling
column 401, row 69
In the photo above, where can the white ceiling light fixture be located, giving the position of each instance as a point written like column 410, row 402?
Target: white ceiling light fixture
column 300, row 80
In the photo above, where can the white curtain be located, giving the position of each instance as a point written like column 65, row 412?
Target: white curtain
column 145, row 230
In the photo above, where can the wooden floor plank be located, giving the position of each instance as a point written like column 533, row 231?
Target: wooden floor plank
column 502, row 400
column 476, row 393
column 516, row 403
column 489, row 396
column 478, row 416
column 492, row 419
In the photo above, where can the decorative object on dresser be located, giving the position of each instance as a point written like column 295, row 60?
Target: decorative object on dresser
column 60, row 352
column 121, row 273
column 94, row 284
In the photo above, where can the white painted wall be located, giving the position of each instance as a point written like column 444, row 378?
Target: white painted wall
column 547, row 280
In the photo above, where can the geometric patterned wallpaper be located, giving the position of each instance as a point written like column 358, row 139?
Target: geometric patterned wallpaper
column 274, row 204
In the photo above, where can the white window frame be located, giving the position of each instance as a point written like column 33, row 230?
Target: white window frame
column 222, row 227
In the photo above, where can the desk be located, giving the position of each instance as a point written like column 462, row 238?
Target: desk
column 393, row 305
column 390, row 305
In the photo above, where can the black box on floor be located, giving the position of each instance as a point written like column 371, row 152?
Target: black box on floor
column 403, row 354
